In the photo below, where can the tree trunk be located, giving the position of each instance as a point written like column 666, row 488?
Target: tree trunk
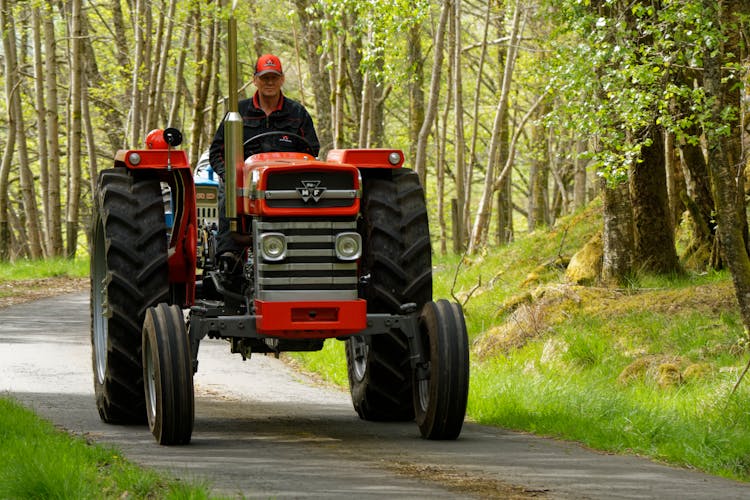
column 159, row 68
column 179, row 85
column 475, row 126
column 673, row 178
column 484, row 210
column 420, row 163
column 652, row 219
column 504, row 197
column 7, row 160
column 338, row 107
column 90, row 143
column 365, row 112
column 441, row 139
column 136, row 111
column 698, row 197
column 538, row 209
column 416, row 92
column 617, row 239
column 53, row 133
column 724, row 146
column 74, row 144
column 16, row 120
column 203, row 53
column 313, row 41
column 460, row 142
column 579, row 176
column 41, row 113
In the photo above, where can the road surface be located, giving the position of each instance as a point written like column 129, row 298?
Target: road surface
column 264, row 431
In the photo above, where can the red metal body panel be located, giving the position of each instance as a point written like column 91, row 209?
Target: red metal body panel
column 173, row 168
column 152, row 158
column 253, row 179
column 365, row 158
column 306, row 320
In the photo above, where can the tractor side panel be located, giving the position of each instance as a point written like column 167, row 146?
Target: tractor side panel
column 171, row 167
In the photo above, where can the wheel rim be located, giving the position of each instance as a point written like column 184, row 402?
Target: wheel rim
column 423, row 386
column 150, row 386
column 359, row 350
column 99, row 305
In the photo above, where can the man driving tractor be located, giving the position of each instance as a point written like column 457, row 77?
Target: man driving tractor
column 269, row 110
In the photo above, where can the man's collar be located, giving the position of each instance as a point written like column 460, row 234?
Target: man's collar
column 256, row 101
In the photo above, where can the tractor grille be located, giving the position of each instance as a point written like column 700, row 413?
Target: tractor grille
column 206, row 200
column 298, row 189
column 311, row 270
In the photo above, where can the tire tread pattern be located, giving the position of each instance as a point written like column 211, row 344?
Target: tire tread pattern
column 164, row 329
column 444, row 337
column 129, row 211
column 398, row 259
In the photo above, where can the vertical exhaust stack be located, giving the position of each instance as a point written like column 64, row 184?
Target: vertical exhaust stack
column 233, row 147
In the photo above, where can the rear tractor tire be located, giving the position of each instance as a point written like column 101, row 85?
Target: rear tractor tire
column 397, row 258
column 168, row 375
column 440, row 399
column 128, row 274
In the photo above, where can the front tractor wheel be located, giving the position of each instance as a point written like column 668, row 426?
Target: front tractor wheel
column 128, row 274
column 441, row 385
column 168, row 375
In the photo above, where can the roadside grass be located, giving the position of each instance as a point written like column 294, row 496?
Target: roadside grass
column 49, row 268
column 40, row 461
column 647, row 369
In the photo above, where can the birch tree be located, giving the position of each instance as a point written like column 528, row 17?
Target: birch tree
column 420, row 163
column 75, row 134
column 482, row 219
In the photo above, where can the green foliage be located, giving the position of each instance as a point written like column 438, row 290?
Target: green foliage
column 620, row 69
column 380, row 25
column 41, row 462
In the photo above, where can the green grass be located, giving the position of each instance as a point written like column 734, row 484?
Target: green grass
column 647, row 369
column 51, row 268
column 42, row 462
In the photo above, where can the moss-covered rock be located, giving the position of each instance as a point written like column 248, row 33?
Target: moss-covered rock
column 585, row 266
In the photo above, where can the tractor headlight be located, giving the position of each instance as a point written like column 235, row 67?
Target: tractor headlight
column 348, row 246
column 273, row 246
column 394, row 158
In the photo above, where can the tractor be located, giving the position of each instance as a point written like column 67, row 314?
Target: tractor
column 337, row 248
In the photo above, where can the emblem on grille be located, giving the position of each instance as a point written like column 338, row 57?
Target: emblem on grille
column 311, row 190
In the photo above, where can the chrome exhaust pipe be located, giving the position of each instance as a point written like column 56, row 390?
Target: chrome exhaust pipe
column 233, row 147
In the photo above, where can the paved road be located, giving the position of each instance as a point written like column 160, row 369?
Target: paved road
column 263, row 431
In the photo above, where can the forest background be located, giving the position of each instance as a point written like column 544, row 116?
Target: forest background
column 514, row 113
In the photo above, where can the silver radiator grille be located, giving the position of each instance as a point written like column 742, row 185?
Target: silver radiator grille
column 310, row 271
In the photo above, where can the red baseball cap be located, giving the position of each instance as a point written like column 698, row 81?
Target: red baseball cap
column 268, row 63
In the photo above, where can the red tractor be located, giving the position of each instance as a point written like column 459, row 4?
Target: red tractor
column 334, row 249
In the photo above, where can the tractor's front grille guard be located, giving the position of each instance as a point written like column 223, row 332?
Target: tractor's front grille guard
column 310, row 269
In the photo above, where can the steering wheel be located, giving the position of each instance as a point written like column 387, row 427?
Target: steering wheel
column 277, row 141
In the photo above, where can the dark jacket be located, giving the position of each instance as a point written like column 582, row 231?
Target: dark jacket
column 290, row 116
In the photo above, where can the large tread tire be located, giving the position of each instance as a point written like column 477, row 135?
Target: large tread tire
column 168, row 375
column 129, row 273
column 397, row 258
column 440, row 400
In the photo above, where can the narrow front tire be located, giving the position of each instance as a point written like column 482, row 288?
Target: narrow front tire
column 440, row 394
column 168, row 375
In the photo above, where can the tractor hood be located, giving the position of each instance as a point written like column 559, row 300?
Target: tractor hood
column 297, row 185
